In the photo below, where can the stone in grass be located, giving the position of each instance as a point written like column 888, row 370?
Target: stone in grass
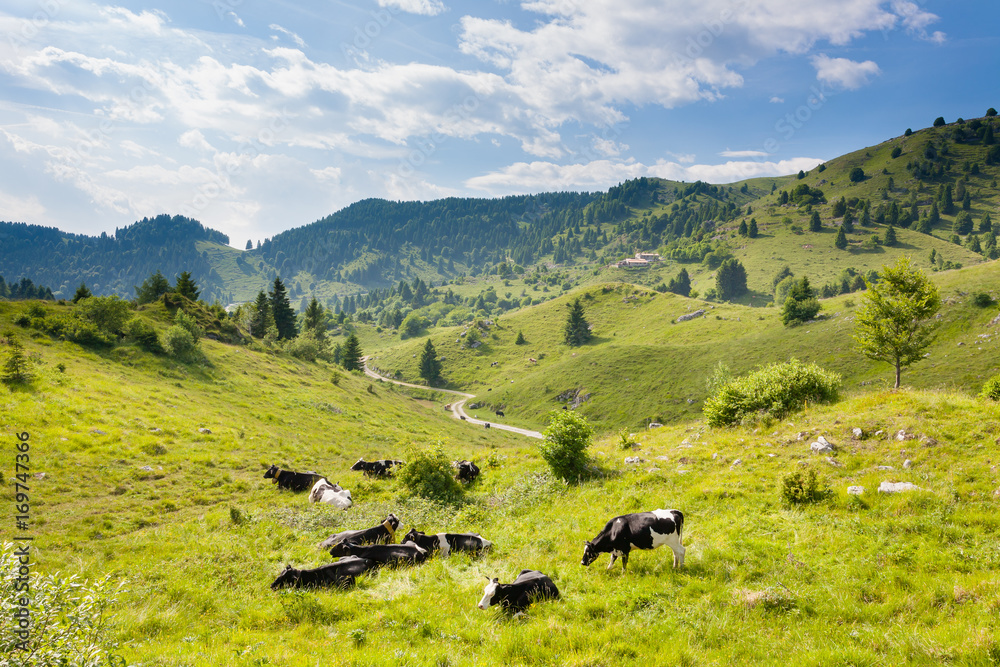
column 205, row 431
column 834, row 462
column 857, row 433
column 821, row 446
column 632, row 460
column 907, row 464
column 897, row 487
column 855, row 490
column 884, row 468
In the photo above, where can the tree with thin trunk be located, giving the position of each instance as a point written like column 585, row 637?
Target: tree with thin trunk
column 892, row 324
column 350, row 357
column 577, row 329
column 430, row 365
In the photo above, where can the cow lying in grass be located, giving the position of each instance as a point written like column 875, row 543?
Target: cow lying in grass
column 467, row 471
column 382, row 468
column 343, row 574
column 293, row 481
column 384, row 533
column 448, row 543
column 530, row 585
column 383, row 554
column 641, row 530
column 333, row 494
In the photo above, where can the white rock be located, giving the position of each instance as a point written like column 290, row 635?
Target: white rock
column 204, row 431
column 884, row 468
column 632, row 460
column 907, row 464
column 823, row 441
column 855, row 490
column 858, row 433
column 834, row 462
column 897, row 487
column 736, row 463
column 821, row 448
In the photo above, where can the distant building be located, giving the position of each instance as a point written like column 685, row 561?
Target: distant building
column 649, row 256
column 632, row 263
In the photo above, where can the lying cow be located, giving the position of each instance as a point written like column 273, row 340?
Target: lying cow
column 467, row 471
column 324, row 492
column 293, row 481
column 641, row 530
column 343, row 573
column 384, row 533
column 530, row 585
column 376, row 468
column 447, row 543
column 383, row 554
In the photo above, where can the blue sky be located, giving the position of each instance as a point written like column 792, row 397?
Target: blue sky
column 255, row 116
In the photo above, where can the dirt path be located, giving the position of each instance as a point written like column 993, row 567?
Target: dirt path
column 458, row 407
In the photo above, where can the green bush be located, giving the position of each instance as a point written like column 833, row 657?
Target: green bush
column 108, row 313
column 799, row 488
column 304, row 346
column 982, row 299
column 75, row 329
column 429, row 474
column 774, row 391
column 189, row 323
column 991, row 389
column 565, row 445
column 142, row 333
column 178, row 341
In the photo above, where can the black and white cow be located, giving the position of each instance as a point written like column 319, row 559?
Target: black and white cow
column 293, row 481
column 499, row 413
column 383, row 554
column 641, row 530
column 467, row 471
column 333, row 494
column 530, row 585
column 343, row 573
column 384, row 533
column 448, row 543
column 380, row 468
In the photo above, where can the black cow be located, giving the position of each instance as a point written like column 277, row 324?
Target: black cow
column 515, row 597
column 499, row 413
column 384, row 533
column 293, row 481
column 487, row 424
column 383, row 554
column 447, row 543
column 380, row 468
column 467, row 471
column 343, row 573
column 641, row 530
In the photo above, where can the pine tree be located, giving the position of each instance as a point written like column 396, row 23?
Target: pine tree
column 430, row 365
column 281, row 310
column 17, row 368
column 815, row 224
column 261, row 316
column 314, row 319
column 801, row 304
column 986, row 224
column 152, row 288
column 680, row 284
column 731, row 279
column 186, row 287
column 890, row 236
column 81, row 293
column 841, row 242
column 577, row 329
column 520, row 340
column 350, row 356
column 752, row 233
column 743, row 230
column 249, row 245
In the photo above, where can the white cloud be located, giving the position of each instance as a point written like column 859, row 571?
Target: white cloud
column 295, row 38
column 728, row 153
column 777, row 100
column 424, row 7
column 916, row 20
column 843, row 72
column 327, row 174
column 21, row 209
column 196, row 140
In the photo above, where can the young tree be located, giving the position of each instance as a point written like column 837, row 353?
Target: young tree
column 815, row 224
column 752, row 232
column 731, row 279
column 430, row 365
column 857, row 175
column 261, row 318
column 249, row 244
column 83, row 293
column 186, row 286
column 801, row 304
column 520, row 340
column 577, row 330
column 314, row 320
column 890, row 236
column 350, row 356
column 986, row 224
column 892, row 323
column 841, row 242
column 281, row 310
column 743, row 230
column 17, row 367
column 565, row 444
column 152, row 288
column 681, row 284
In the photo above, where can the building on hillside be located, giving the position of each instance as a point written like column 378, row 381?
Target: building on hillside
column 633, row 263
column 649, row 256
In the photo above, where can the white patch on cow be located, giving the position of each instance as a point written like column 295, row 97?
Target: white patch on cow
column 324, row 492
column 672, row 540
column 443, row 545
column 488, row 593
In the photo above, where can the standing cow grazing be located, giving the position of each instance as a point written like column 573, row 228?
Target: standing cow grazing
column 641, row 530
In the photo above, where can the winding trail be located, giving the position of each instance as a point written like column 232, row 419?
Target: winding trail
column 458, row 407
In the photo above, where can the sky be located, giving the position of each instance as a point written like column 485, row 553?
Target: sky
column 256, row 116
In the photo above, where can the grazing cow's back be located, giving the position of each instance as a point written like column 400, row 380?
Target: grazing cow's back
column 640, row 530
column 529, row 586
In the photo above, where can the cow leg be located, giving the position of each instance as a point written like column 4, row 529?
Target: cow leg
column 624, row 561
column 614, row 557
column 678, row 550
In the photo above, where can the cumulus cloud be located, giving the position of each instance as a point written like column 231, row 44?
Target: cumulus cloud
column 425, row 7
column 916, row 21
column 844, row 73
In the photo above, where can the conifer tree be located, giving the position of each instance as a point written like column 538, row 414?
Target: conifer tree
column 314, row 319
column 520, row 340
column 815, row 224
column 681, row 284
column 752, row 233
column 801, row 304
column 281, row 310
column 152, row 288
column 986, row 224
column 890, row 236
column 350, row 356
column 81, row 293
column 841, row 242
column 186, row 286
column 577, row 329
column 261, row 316
column 743, row 230
column 17, row 368
column 731, row 279
column 430, row 365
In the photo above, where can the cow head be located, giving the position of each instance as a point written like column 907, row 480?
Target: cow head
column 271, row 472
column 589, row 553
column 412, row 536
column 360, row 465
column 489, row 592
column 342, row 549
column 393, row 521
column 288, row 577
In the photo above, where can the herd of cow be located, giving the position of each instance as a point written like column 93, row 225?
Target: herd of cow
column 365, row 550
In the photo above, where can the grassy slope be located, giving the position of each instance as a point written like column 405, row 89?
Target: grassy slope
column 874, row 580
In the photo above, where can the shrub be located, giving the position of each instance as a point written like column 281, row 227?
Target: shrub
column 991, row 389
column 565, row 445
column 182, row 319
column 305, row 346
column 429, row 474
column 69, row 617
column 799, row 488
column 774, row 391
column 76, row 329
column 982, row 299
column 142, row 333
column 108, row 313
column 178, row 341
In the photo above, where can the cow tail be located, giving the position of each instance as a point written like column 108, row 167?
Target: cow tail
column 680, row 525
